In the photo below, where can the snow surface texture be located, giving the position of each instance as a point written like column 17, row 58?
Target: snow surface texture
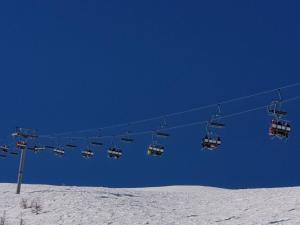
column 162, row 206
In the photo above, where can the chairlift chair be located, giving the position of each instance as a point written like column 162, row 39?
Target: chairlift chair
column 4, row 151
column 14, row 152
column 162, row 134
column 216, row 125
column 59, row 152
column 114, row 153
column 97, row 143
column 37, row 149
column 155, row 150
column 4, row 148
column 280, row 129
column 274, row 109
column 211, row 143
column 127, row 140
column 87, row 154
column 162, row 131
column 71, row 146
column 26, row 133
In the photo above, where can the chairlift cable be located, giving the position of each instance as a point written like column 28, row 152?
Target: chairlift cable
column 176, row 113
column 186, row 125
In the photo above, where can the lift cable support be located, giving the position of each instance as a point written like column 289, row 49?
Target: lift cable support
column 22, row 134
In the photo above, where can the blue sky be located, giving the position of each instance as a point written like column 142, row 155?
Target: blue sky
column 73, row 65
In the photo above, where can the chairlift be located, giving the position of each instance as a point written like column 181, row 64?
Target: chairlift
column 99, row 144
column 115, row 153
column 37, row 149
column 279, row 127
column 4, row 151
column 275, row 108
column 162, row 131
column 216, row 125
column 26, row 133
column 127, row 140
column 162, row 134
column 71, row 146
column 88, row 153
column 155, row 150
column 212, row 141
column 14, row 152
column 4, row 148
column 59, row 152
column 215, row 121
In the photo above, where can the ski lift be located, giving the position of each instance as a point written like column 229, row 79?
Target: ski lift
column 127, row 139
column 275, row 108
column 95, row 141
column 88, row 153
column 155, row 150
column 71, row 146
column 50, row 147
column 26, row 133
column 37, row 149
column 21, row 145
column 212, row 141
column 99, row 144
column 279, row 127
column 14, row 153
column 4, row 149
column 114, row 153
column 161, row 132
column 59, row 152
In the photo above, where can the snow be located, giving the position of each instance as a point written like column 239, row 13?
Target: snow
column 182, row 205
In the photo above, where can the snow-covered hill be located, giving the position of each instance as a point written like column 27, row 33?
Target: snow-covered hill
column 166, row 205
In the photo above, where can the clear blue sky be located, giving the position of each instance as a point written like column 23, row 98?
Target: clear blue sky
column 72, row 65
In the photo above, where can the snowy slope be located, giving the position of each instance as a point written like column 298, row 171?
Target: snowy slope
column 166, row 205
